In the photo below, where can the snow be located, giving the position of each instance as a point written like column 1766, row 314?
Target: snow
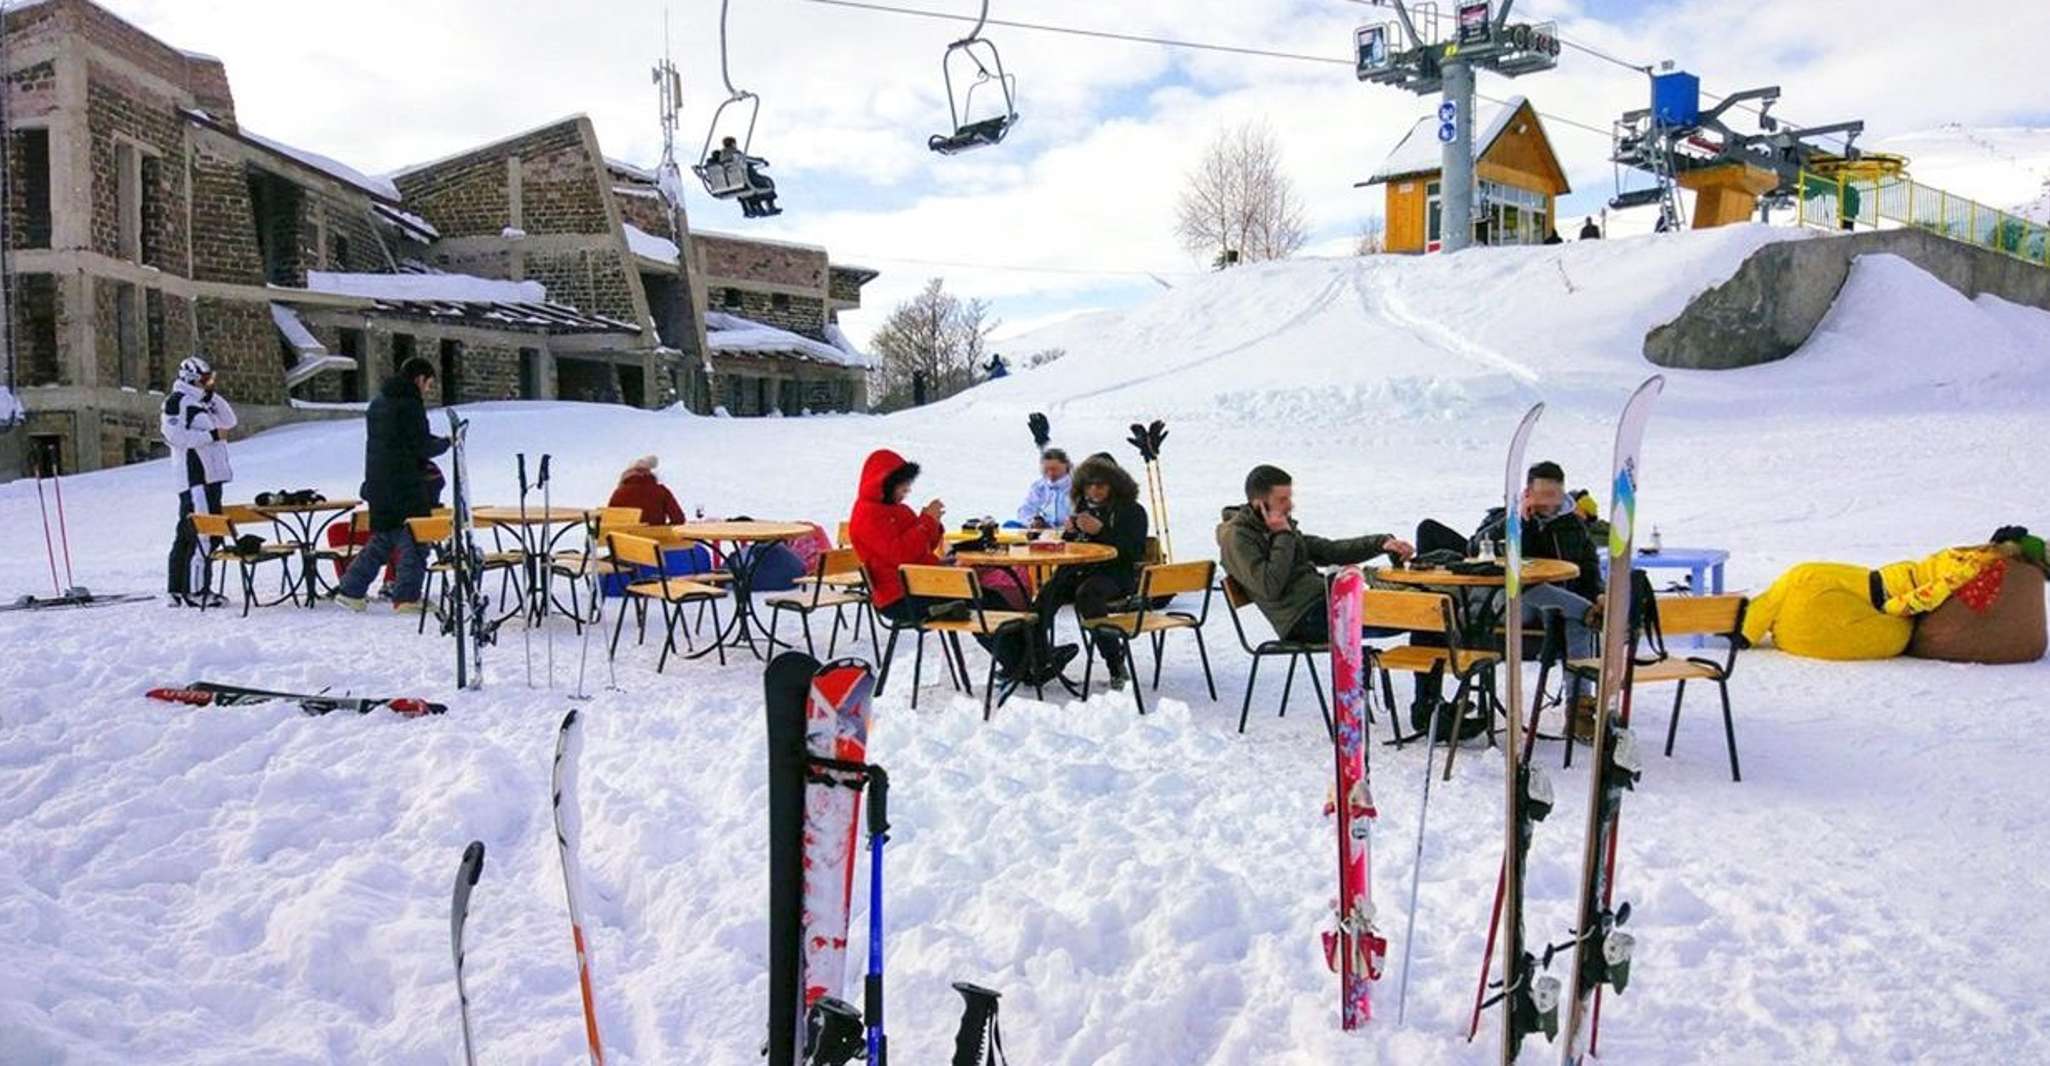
column 11, row 410
column 202, row 886
column 1420, row 150
column 458, row 154
column 513, row 233
column 375, row 186
column 649, row 246
column 409, row 220
column 458, row 288
column 730, row 332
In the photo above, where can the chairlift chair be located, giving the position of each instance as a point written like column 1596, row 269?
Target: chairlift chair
column 976, row 133
column 727, row 179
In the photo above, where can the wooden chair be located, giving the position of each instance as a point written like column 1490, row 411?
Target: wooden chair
column 1296, row 652
column 940, row 585
column 672, row 594
column 435, row 531
column 1158, row 582
column 345, row 553
column 224, row 528
column 1430, row 613
column 894, row 627
column 1682, row 616
column 821, row 592
column 589, row 565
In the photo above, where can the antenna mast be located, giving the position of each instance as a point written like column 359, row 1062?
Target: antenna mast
column 689, row 276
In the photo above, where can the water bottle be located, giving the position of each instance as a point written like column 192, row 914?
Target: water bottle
column 1654, row 539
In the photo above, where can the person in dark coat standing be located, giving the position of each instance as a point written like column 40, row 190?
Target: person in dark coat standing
column 1589, row 231
column 1106, row 511
column 399, row 483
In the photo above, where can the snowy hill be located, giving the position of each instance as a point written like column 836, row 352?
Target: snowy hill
column 248, row 885
column 2004, row 167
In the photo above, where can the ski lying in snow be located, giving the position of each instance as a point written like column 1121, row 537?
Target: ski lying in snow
column 569, row 832
column 1601, row 951
column 467, row 872
column 1355, row 948
column 77, row 598
column 314, row 704
column 1529, row 1003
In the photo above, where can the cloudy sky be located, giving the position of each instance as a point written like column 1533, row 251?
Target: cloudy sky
column 1075, row 210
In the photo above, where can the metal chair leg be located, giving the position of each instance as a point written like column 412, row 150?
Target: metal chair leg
column 1159, row 642
column 1673, row 723
column 917, row 668
column 618, row 623
column 989, row 689
column 960, row 662
column 1288, row 685
column 1246, row 705
column 887, row 657
column 718, row 646
column 809, row 648
column 1203, row 653
column 1322, row 703
column 426, row 597
column 1730, row 730
column 1138, row 695
column 833, row 638
column 669, row 613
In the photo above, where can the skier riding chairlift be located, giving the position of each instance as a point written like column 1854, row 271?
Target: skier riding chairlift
column 984, row 132
column 732, row 171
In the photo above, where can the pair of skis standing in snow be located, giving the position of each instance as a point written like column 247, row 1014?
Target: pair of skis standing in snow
column 1599, row 950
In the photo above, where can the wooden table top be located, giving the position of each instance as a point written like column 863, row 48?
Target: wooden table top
column 741, row 532
column 1535, row 572
column 510, row 516
column 1004, row 536
column 304, row 508
column 1067, row 553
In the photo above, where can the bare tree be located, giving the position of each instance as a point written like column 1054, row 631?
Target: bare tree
column 1237, row 205
column 1373, row 236
column 934, row 335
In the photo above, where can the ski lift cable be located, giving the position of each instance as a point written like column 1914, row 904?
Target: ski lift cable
column 1163, row 42
column 724, row 73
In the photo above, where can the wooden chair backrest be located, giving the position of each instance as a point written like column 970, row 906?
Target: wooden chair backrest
column 432, row 529
column 631, row 550
column 1154, row 555
column 1235, row 595
column 939, row 582
column 839, row 562
column 844, row 537
column 1421, row 612
column 1173, row 579
column 214, row 525
column 243, row 514
column 611, row 518
column 359, row 523
column 1681, row 616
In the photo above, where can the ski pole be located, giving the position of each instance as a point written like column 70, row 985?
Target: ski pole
column 597, row 608
column 64, row 536
column 547, row 559
column 49, row 549
column 1415, row 872
column 527, row 628
column 872, row 988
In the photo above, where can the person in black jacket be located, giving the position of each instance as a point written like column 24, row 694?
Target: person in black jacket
column 399, row 483
column 1105, row 510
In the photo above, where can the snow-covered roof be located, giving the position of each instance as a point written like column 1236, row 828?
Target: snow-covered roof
column 375, row 186
column 1420, row 152
column 408, row 220
column 732, row 333
column 313, row 355
column 629, row 169
column 457, row 288
column 650, row 246
column 437, row 161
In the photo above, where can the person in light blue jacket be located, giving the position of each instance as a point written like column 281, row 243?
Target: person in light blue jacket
column 1046, row 503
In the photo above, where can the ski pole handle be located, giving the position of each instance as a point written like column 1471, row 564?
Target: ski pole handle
column 543, row 479
column 523, row 473
column 878, row 801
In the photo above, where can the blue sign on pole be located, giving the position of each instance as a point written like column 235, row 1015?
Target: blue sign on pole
column 1448, row 111
column 1446, row 131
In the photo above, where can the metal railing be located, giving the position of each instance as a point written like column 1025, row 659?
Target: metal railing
column 1840, row 203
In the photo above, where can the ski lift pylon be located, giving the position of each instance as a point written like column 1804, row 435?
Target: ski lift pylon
column 970, row 132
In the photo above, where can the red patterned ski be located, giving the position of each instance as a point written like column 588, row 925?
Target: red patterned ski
column 836, row 727
column 1355, row 948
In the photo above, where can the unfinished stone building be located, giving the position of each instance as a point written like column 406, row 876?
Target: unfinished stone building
column 143, row 224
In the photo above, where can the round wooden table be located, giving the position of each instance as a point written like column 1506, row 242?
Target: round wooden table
column 734, row 533
column 310, row 521
column 1005, row 536
column 1535, row 572
column 533, row 529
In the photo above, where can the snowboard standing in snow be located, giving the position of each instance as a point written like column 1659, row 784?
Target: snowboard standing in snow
column 209, row 694
column 1601, row 951
column 569, row 833
column 818, row 731
column 469, row 614
column 467, row 872
column 1529, row 1003
column 1355, row 948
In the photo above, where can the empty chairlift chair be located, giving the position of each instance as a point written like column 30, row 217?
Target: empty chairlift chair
column 1157, row 583
column 968, row 131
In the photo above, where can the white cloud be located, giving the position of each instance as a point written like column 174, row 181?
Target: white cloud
column 1088, row 180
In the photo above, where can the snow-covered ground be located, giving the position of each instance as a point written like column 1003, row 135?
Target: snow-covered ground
column 252, row 886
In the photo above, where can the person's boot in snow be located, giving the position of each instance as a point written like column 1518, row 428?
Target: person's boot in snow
column 1118, row 674
column 354, row 603
column 409, row 606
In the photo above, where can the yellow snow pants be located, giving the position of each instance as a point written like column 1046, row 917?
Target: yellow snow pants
column 1824, row 611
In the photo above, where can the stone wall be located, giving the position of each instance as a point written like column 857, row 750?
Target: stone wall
column 31, row 94
column 40, row 329
column 1776, row 299
column 845, row 285
column 561, row 188
column 594, row 280
column 643, row 208
column 223, row 229
column 778, row 264
column 799, row 314
column 242, row 342
column 116, row 109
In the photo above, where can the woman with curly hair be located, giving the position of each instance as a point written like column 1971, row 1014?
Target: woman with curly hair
column 1105, row 510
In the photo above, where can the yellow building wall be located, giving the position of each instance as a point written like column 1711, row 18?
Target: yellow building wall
column 1405, row 218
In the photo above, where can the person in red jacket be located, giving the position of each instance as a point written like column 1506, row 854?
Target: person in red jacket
column 639, row 488
column 887, row 533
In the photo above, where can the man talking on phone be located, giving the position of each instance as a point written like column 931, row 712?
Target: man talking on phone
column 1276, row 563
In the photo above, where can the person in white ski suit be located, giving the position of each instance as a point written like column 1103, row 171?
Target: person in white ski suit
column 195, row 424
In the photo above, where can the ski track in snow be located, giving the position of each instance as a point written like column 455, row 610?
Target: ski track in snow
column 247, row 885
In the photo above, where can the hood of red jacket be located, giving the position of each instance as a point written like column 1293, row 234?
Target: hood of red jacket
column 880, row 465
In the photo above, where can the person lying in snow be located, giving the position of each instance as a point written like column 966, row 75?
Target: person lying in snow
column 1845, row 611
column 1276, row 562
column 640, row 489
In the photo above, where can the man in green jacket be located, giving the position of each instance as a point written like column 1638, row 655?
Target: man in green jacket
column 1276, row 563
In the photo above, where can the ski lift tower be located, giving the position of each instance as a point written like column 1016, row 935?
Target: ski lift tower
column 690, row 275
column 1399, row 54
